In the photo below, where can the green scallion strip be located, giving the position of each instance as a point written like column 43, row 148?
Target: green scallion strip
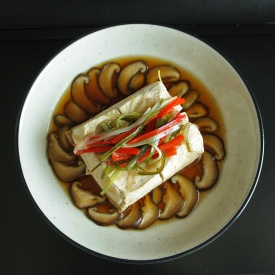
column 157, row 171
column 158, row 151
column 105, row 171
column 113, row 176
column 132, row 163
column 106, row 126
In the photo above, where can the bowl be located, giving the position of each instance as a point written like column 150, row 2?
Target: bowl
column 218, row 209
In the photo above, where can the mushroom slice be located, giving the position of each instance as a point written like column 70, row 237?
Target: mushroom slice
column 132, row 217
column 83, row 198
column 215, row 145
column 101, row 218
column 197, row 110
column 207, row 124
column 107, row 79
column 128, row 74
column 150, row 213
column 61, row 120
column 173, row 202
column 92, row 88
column 137, row 82
column 167, row 73
column 67, row 173
column 74, row 112
column 210, row 172
column 63, row 138
column 179, row 89
column 157, row 195
column 190, row 98
column 79, row 95
column 188, row 191
column 56, row 152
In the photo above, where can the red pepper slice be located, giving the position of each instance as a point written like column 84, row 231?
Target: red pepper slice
column 170, row 106
column 130, row 151
column 120, row 156
column 172, row 143
column 172, row 151
column 159, row 130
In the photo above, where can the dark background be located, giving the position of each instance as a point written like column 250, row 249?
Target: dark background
column 32, row 32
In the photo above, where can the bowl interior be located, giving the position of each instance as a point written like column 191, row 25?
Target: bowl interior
column 243, row 137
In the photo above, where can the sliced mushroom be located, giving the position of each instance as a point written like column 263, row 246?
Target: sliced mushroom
column 61, row 120
column 128, row 74
column 107, row 79
column 207, row 124
column 132, row 217
column 137, row 82
column 210, row 172
column 92, row 88
column 74, row 112
column 190, row 98
column 63, row 138
column 188, row 191
column 215, row 145
column 103, row 218
column 197, row 110
column 67, row 173
column 56, row 152
column 167, row 73
column 157, row 195
column 173, row 202
column 179, row 89
column 79, row 95
column 83, row 198
column 150, row 213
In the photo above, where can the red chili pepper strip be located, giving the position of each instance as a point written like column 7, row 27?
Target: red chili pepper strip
column 172, row 143
column 172, row 151
column 120, row 156
column 95, row 149
column 170, row 106
column 130, row 151
column 150, row 126
column 159, row 130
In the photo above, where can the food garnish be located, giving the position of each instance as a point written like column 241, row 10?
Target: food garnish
column 136, row 140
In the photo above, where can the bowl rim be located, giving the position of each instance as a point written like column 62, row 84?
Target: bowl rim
column 180, row 254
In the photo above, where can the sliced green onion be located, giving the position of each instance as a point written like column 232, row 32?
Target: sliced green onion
column 113, row 176
column 157, row 171
column 132, row 163
column 158, row 151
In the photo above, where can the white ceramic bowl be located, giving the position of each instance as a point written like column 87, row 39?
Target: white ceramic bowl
column 219, row 209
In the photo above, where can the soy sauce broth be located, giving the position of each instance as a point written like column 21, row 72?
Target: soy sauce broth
column 205, row 98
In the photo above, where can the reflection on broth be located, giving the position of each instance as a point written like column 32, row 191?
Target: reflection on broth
column 101, row 87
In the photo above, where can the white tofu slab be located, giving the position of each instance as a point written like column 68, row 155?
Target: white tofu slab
column 130, row 186
column 186, row 154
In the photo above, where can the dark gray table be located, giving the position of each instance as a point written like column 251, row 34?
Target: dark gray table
column 30, row 246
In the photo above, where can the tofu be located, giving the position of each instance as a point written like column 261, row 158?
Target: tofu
column 186, row 153
column 129, row 186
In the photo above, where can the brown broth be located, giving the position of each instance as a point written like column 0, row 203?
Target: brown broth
column 205, row 97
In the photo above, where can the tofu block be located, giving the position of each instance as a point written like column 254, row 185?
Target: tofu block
column 186, row 153
column 129, row 186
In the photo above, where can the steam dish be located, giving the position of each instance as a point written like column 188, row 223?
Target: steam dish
column 242, row 130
